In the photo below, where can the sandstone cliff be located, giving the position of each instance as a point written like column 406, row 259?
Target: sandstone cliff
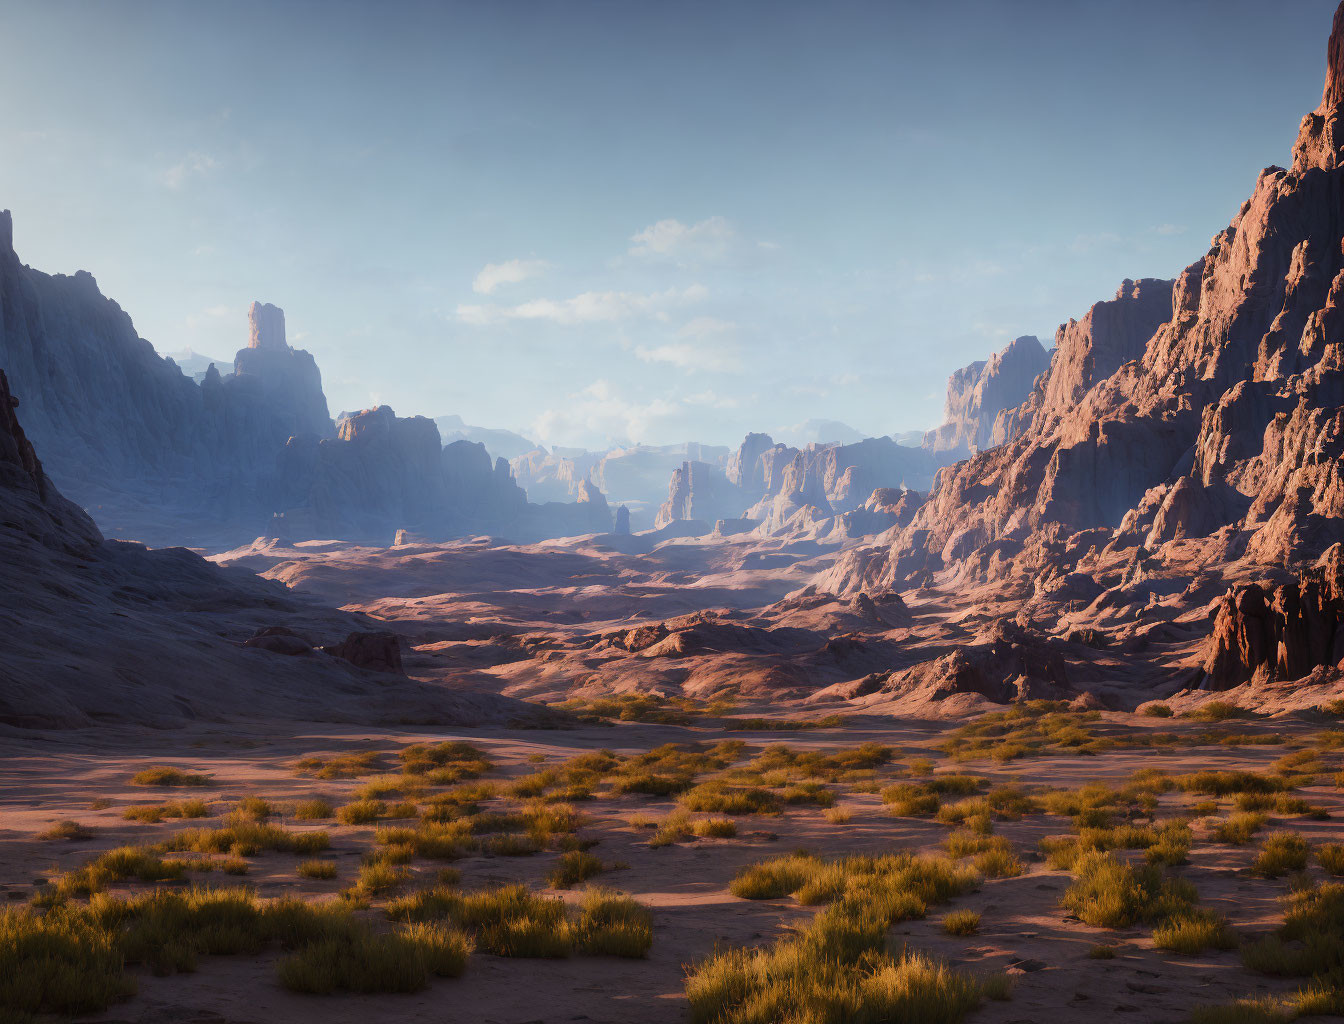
column 1178, row 410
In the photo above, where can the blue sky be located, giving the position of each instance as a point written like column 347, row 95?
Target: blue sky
column 654, row 222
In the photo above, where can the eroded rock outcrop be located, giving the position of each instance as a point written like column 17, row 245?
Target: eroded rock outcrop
column 1279, row 632
column 977, row 394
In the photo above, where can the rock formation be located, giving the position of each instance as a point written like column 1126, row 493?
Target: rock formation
column 978, row 393
column 698, row 490
column 1279, row 632
column 774, row 484
column 96, row 631
column 166, row 460
column 1211, row 405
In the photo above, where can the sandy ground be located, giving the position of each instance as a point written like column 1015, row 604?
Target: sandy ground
column 45, row 778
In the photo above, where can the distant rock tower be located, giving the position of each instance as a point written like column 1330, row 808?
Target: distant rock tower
column 267, row 327
column 287, row 378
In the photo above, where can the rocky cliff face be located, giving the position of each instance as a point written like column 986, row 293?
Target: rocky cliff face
column 129, row 435
column 1180, row 410
column 700, row 491
column 288, row 379
column 978, row 393
column 165, row 460
column 383, row 473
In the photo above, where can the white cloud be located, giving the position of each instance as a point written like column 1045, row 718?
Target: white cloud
column 589, row 307
column 708, row 345
column 1169, row 229
column 194, row 164
column 690, row 357
column 598, row 411
column 493, row 275
column 671, row 239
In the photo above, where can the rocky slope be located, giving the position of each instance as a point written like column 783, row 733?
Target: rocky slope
column 95, row 631
column 1186, row 430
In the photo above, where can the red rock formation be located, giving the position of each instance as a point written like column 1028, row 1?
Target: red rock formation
column 1279, row 632
column 1178, row 410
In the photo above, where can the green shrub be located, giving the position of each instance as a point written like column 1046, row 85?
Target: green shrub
column 317, row 869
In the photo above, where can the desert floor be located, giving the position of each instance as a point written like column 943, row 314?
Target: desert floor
column 51, row 778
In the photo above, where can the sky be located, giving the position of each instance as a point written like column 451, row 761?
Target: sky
column 653, row 222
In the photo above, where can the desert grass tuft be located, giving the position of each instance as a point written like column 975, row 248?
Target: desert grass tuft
column 1109, row 893
column 961, row 922
column 1281, row 853
column 68, row 830
column 168, row 776
column 154, row 813
column 1192, row 932
column 316, row 809
column 574, row 867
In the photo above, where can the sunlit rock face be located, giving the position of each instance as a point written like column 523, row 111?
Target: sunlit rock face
column 1206, row 409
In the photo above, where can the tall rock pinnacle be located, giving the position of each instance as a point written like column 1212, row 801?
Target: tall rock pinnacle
column 267, row 324
column 1320, row 139
column 1333, row 94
